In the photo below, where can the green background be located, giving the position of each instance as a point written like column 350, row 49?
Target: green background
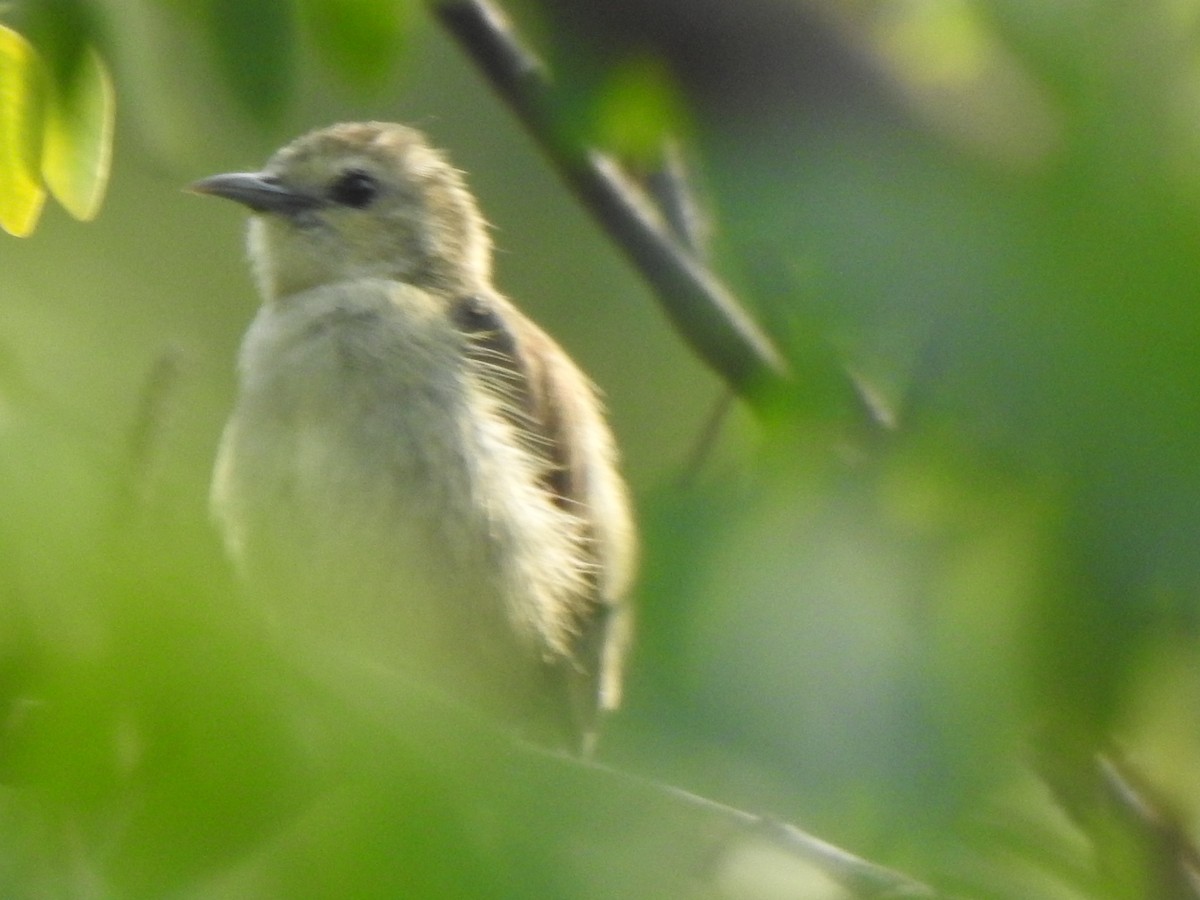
column 989, row 210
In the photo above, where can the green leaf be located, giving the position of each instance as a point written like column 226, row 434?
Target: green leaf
column 636, row 108
column 359, row 38
column 77, row 149
column 61, row 30
column 21, row 192
column 254, row 41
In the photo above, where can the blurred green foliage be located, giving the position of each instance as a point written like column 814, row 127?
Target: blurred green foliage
column 880, row 637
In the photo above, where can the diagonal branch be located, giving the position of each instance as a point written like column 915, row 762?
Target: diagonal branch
column 1172, row 860
column 703, row 310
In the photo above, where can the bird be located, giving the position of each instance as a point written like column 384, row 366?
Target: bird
column 415, row 480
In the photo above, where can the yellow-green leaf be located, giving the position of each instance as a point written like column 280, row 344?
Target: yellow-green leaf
column 77, row 148
column 21, row 193
column 636, row 108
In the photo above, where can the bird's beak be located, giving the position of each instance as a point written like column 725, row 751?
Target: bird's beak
column 257, row 190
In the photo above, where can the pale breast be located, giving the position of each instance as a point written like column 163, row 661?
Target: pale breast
column 376, row 504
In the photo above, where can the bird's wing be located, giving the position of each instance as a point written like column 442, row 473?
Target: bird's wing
column 555, row 406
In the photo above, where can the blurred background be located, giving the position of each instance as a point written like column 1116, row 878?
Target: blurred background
column 911, row 643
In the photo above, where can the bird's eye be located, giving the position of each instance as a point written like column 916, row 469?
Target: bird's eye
column 354, row 188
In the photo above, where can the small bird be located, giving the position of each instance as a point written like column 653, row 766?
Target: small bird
column 415, row 478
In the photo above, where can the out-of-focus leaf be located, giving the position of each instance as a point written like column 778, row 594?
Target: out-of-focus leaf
column 254, row 42
column 77, row 152
column 636, row 109
column 359, row 38
column 21, row 193
column 62, row 31
column 967, row 84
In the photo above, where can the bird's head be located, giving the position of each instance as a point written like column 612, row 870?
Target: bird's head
column 360, row 200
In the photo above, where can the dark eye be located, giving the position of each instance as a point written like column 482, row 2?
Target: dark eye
column 354, row 188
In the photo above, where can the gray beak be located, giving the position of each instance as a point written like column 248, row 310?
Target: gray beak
column 259, row 191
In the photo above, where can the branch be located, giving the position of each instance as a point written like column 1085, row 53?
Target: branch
column 1171, row 856
column 703, row 310
column 670, row 186
column 1140, row 844
column 624, row 834
column 857, row 875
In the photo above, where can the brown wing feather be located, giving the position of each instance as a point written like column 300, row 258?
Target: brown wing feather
column 553, row 405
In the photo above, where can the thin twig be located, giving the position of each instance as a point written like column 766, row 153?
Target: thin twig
column 862, row 877
column 1172, row 856
column 671, row 186
column 703, row 310
column 707, row 439
column 159, row 391
column 423, row 726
